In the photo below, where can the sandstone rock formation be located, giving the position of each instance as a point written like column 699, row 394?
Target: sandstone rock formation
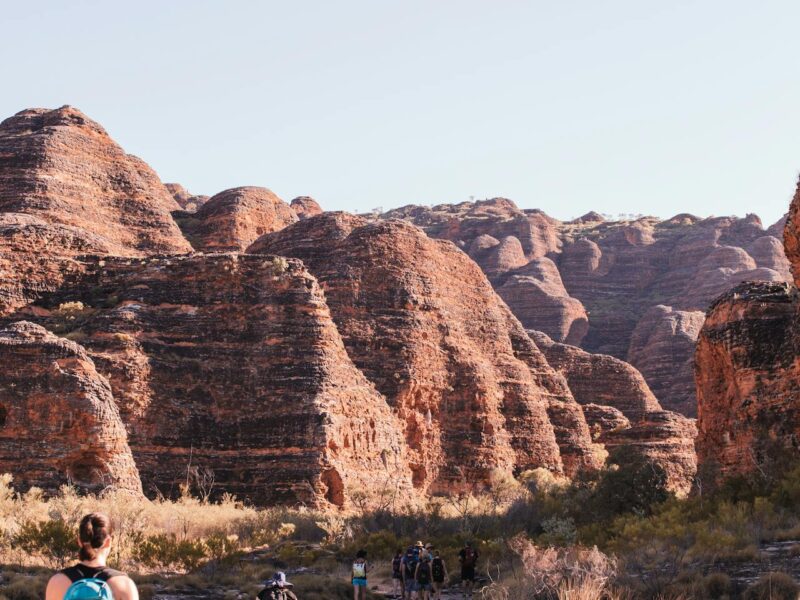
column 611, row 273
column 305, row 207
column 186, row 200
column 662, row 348
column 58, row 420
column 536, row 295
column 422, row 322
column 232, row 363
column 623, row 412
column 62, row 167
column 235, row 218
column 748, row 384
column 746, row 366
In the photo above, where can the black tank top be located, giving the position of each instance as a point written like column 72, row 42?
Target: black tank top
column 81, row 571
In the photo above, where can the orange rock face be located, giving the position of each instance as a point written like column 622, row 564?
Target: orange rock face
column 235, row 218
column 421, row 321
column 305, row 207
column 747, row 370
column 232, row 363
column 62, row 167
column 622, row 410
column 58, row 420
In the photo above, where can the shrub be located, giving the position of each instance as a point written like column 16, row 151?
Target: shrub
column 166, row 551
column 717, row 586
column 52, row 539
column 773, row 586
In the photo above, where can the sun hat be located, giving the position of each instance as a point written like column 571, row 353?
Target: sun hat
column 418, row 544
column 280, row 579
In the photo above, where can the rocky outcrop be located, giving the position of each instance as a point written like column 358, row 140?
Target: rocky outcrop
column 662, row 349
column 746, row 370
column 666, row 438
column 536, row 295
column 232, row 363
column 305, row 207
column 623, row 412
column 599, row 378
column 421, row 321
column 36, row 256
column 608, row 276
column 748, row 384
column 63, row 168
column 186, row 200
column 234, row 219
column 58, row 420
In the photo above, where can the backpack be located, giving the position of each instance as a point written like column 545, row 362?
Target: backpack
column 469, row 557
column 424, row 573
column 437, row 566
column 89, row 589
column 411, row 566
column 397, row 563
column 359, row 570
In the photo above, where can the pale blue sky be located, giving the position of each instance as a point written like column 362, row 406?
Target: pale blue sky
column 626, row 106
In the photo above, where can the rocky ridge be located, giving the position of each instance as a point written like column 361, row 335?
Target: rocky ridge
column 598, row 283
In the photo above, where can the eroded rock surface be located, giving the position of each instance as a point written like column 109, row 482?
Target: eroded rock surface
column 609, row 275
column 232, row 363
column 62, row 167
column 58, row 420
column 747, row 369
column 622, row 411
column 422, row 322
column 305, row 207
column 235, row 218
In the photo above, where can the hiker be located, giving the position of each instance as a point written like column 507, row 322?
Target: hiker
column 360, row 570
column 91, row 578
column 468, row 557
column 423, row 578
column 439, row 572
column 409, row 563
column 277, row 588
column 428, row 550
column 398, row 591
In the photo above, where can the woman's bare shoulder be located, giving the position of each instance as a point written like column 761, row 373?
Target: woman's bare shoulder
column 57, row 586
column 124, row 588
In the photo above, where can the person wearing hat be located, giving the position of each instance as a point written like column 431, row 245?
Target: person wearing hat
column 277, row 588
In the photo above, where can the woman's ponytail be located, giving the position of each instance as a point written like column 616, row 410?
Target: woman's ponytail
column 94, row 529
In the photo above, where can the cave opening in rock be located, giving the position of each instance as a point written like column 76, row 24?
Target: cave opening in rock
column 3, row 415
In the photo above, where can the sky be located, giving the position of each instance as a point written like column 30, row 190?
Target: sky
column 614, row 106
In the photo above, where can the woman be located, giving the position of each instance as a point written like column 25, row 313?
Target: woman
column 424, row 577
column 439, row 572
column 360, row 570
column 94, row 543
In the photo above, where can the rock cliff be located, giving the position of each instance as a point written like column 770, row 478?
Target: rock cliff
column 422, row 322
column 746, row 368
column 623, row 412
column 597, row 283
column 231, row 364
column 58, row 420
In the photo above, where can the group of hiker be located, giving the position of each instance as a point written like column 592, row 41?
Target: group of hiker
column 419, row 573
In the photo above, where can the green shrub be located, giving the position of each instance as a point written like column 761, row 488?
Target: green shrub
column 52, row 539
column 166, row 551
column 773, row 586
column 717, row 586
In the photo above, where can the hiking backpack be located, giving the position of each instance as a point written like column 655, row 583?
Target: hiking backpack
column 397, row 564
column 469, row 557
column 89, row 589
column 437, row 568
column 359, row 570
column 424, row 573
column 411, row 566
